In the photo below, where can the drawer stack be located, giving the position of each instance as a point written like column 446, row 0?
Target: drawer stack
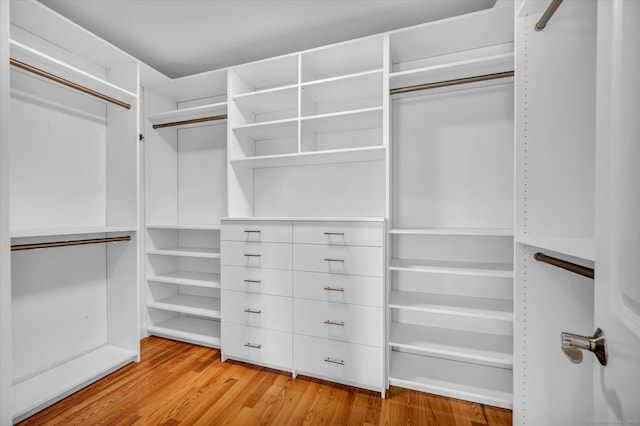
column 338, row 300
column 256, row 258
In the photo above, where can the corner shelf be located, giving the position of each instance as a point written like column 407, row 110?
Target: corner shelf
column 191, row 329
column 192, row 278
column 312, row 157
column 187, row 252
column 498, row 270
column 193, row 113
column 207, row 307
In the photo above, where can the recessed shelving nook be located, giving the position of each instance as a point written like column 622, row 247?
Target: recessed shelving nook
column 73, row 184
column 450, row 265
column 185, row 187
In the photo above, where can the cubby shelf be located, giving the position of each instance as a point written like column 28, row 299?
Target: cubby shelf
column 192, row 278
column 345, row 121
column 68, row 72
column 499, row 270
column 277, row 129
column 27, row 233
column 487, row 349
column 207, row 307
column 482, row 232
column 313, row 157
column 467, row 306
column 277, row 99
column 583, row 248
column 193, row 113
column 191, row 329
column 455, row 379
column 187, row 252
column 362, row 89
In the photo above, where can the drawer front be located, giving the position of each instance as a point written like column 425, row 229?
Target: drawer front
column 256, row 310
column 256, row 255
column 353, row 260
column 340, row 361
column 257, row 345
column 356, row 289
column 257, row 280
column 339, row 233
column 339, row 321
column 265, row 231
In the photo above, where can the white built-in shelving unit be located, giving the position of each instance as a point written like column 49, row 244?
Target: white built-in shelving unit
column 451, row 217
column 185, row 186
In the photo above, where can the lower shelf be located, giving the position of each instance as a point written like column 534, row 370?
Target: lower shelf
column 197, row 279
column 454, row 379
column 51, row 386
column 208, row 307
column 193, row 330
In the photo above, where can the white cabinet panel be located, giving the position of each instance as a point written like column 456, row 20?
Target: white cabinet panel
column 256, row 345
column 265, row 231
column 257, row 310
column 339, row 288
column 257, row 280
column 256, row 254
column 338, row 259
column 339, row 233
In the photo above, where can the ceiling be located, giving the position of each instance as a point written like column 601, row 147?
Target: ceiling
column 184, row 37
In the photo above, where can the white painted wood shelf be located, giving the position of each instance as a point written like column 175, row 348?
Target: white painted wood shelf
column 61, row 381
column 208, row 307
column 345, row 121
column 187, row 252
column 467, row 306
column 481, row 232
column 196, row 227
column 313, row 157
column 28, row 233
column 192, row 278
column 192, row 113
column 583, row 248
column 270, row 100
column 197, row 330
column 486, row 349
column 347, row 88
column 455, row 379
column 499, row 270
column 277, row 129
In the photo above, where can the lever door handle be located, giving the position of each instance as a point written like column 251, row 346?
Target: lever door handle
column 574, row 344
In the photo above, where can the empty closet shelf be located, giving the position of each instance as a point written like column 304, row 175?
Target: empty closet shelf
column 185, row 227
column 198, row 279
column 471, row 382
column 500, row 270
column 584, row 248
column 191, row 305
column 313, row 157
column 26, row 233
column 347, row 121
column 187, row 252
column 279, row 129
column 189, row 116
column 482, row 232
column 487, row 349
column 197, row 330
column 270, row 100
column 476, row 307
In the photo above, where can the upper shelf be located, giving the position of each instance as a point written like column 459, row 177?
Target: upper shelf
column 498, row 270
column 312, row 157
column 50, row 65
column 181, row 118
column 27, row 233
column 178, row 227
column 482, row 232
column 583, row 248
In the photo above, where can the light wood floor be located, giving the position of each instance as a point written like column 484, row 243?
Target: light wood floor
column 181, row 384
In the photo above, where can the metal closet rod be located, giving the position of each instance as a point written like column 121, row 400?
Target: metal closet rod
column 569, row 266
column 76, row 86
column 457, row 81
column 551, row 9
column 192, row 121
column 52, row 244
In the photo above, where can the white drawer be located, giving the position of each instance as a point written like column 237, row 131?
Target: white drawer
column 356, row 289
column 355, row 260
column 256, row 255
column 265, row 231
column 257, row 280
column 339, row 321
column 339, row 233
column 339, row 361
column 256, row 310
column 256, row 345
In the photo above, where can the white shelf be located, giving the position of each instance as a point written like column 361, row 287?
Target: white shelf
column 483, row 232
column 349, row 88
column 271, row 100
column 186, row 227
column 475, row 307
column 583, row 248
column 189, row 114
column 187, row 252
column 499, row 270
column 197, row 330
column 61, row 69
column 59, row 382
column 454, row 379
column 314, row 157
column 192, row 278
column 347, row 121
column 266, row 74
column 278, row 129
column 343, row 58
column 27, row 233
column 191, row 305
column 451, row 71
column 486, row 349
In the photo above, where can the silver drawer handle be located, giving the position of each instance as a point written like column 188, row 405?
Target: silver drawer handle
column 253, row 281
column 334, row 288
column 252, row 231
column 252, row 345
column 252, row 255
column 334, row 233
column 253, row 311
column 328, row 259
column 334, row 361
column 341, row 323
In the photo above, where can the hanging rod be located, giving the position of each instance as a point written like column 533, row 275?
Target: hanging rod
column 547, row 15
column 18, row 247
column 192, row 121
column 569, row 266
column 445, row 83
column 45, row 74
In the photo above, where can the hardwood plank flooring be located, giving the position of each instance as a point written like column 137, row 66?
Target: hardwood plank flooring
column 181, row 384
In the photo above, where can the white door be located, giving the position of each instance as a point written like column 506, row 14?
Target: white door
column 617, row 283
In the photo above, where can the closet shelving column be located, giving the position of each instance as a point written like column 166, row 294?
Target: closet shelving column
column 73, row 209
column 185, row 182
column 451, row 212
